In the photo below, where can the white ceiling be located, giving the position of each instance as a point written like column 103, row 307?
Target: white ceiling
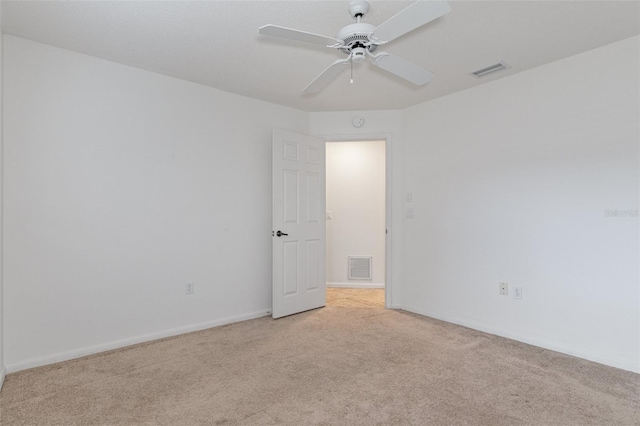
column 216, row 43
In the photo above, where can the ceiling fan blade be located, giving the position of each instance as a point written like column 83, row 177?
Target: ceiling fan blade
column 291, row 34
column 410, row 18
column 327, row 76
column 403, row 68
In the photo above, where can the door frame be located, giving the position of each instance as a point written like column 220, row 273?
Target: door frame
column 388, row 195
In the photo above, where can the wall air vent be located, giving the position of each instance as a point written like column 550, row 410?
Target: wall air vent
column 490, row 69
column 360, row 267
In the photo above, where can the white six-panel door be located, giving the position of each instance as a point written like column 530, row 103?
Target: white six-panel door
column 298, row 223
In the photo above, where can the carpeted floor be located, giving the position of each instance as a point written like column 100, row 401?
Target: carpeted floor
column 351, row 363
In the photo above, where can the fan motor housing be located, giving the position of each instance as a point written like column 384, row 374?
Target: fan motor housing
column 356, row 36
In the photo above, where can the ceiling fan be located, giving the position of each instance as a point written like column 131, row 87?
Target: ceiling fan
column 360, row 40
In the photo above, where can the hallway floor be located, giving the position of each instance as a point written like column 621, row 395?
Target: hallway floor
column 355, row 297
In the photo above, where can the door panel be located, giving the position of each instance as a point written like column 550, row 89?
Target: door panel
column 313, row 197
column 290, row 193
column 290, row 267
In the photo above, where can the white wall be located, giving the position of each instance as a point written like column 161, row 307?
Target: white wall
column 121, row 185
column 2, row 366
column 356, row 200
column 383, row 124
column 511, row 181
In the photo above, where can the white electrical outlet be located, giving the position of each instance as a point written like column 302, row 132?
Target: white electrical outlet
column 504, row 289
column 189, row 287
column 409, row 197
column 517, row 292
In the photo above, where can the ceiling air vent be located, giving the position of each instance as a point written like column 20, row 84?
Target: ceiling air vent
column 490, row 70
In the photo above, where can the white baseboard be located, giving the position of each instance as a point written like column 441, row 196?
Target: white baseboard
column 355, row 285
column 90, row 350
column 606, row 360
column 3, row 374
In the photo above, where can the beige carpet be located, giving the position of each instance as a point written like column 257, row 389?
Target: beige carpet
column 336, row 365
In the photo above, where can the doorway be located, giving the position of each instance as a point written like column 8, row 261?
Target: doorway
column 356, row 222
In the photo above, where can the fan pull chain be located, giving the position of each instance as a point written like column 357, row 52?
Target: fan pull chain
column 351, row 62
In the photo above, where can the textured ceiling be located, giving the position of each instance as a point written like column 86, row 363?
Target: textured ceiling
column 216, row 43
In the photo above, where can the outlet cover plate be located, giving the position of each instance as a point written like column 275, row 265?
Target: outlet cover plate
column 517, row 292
